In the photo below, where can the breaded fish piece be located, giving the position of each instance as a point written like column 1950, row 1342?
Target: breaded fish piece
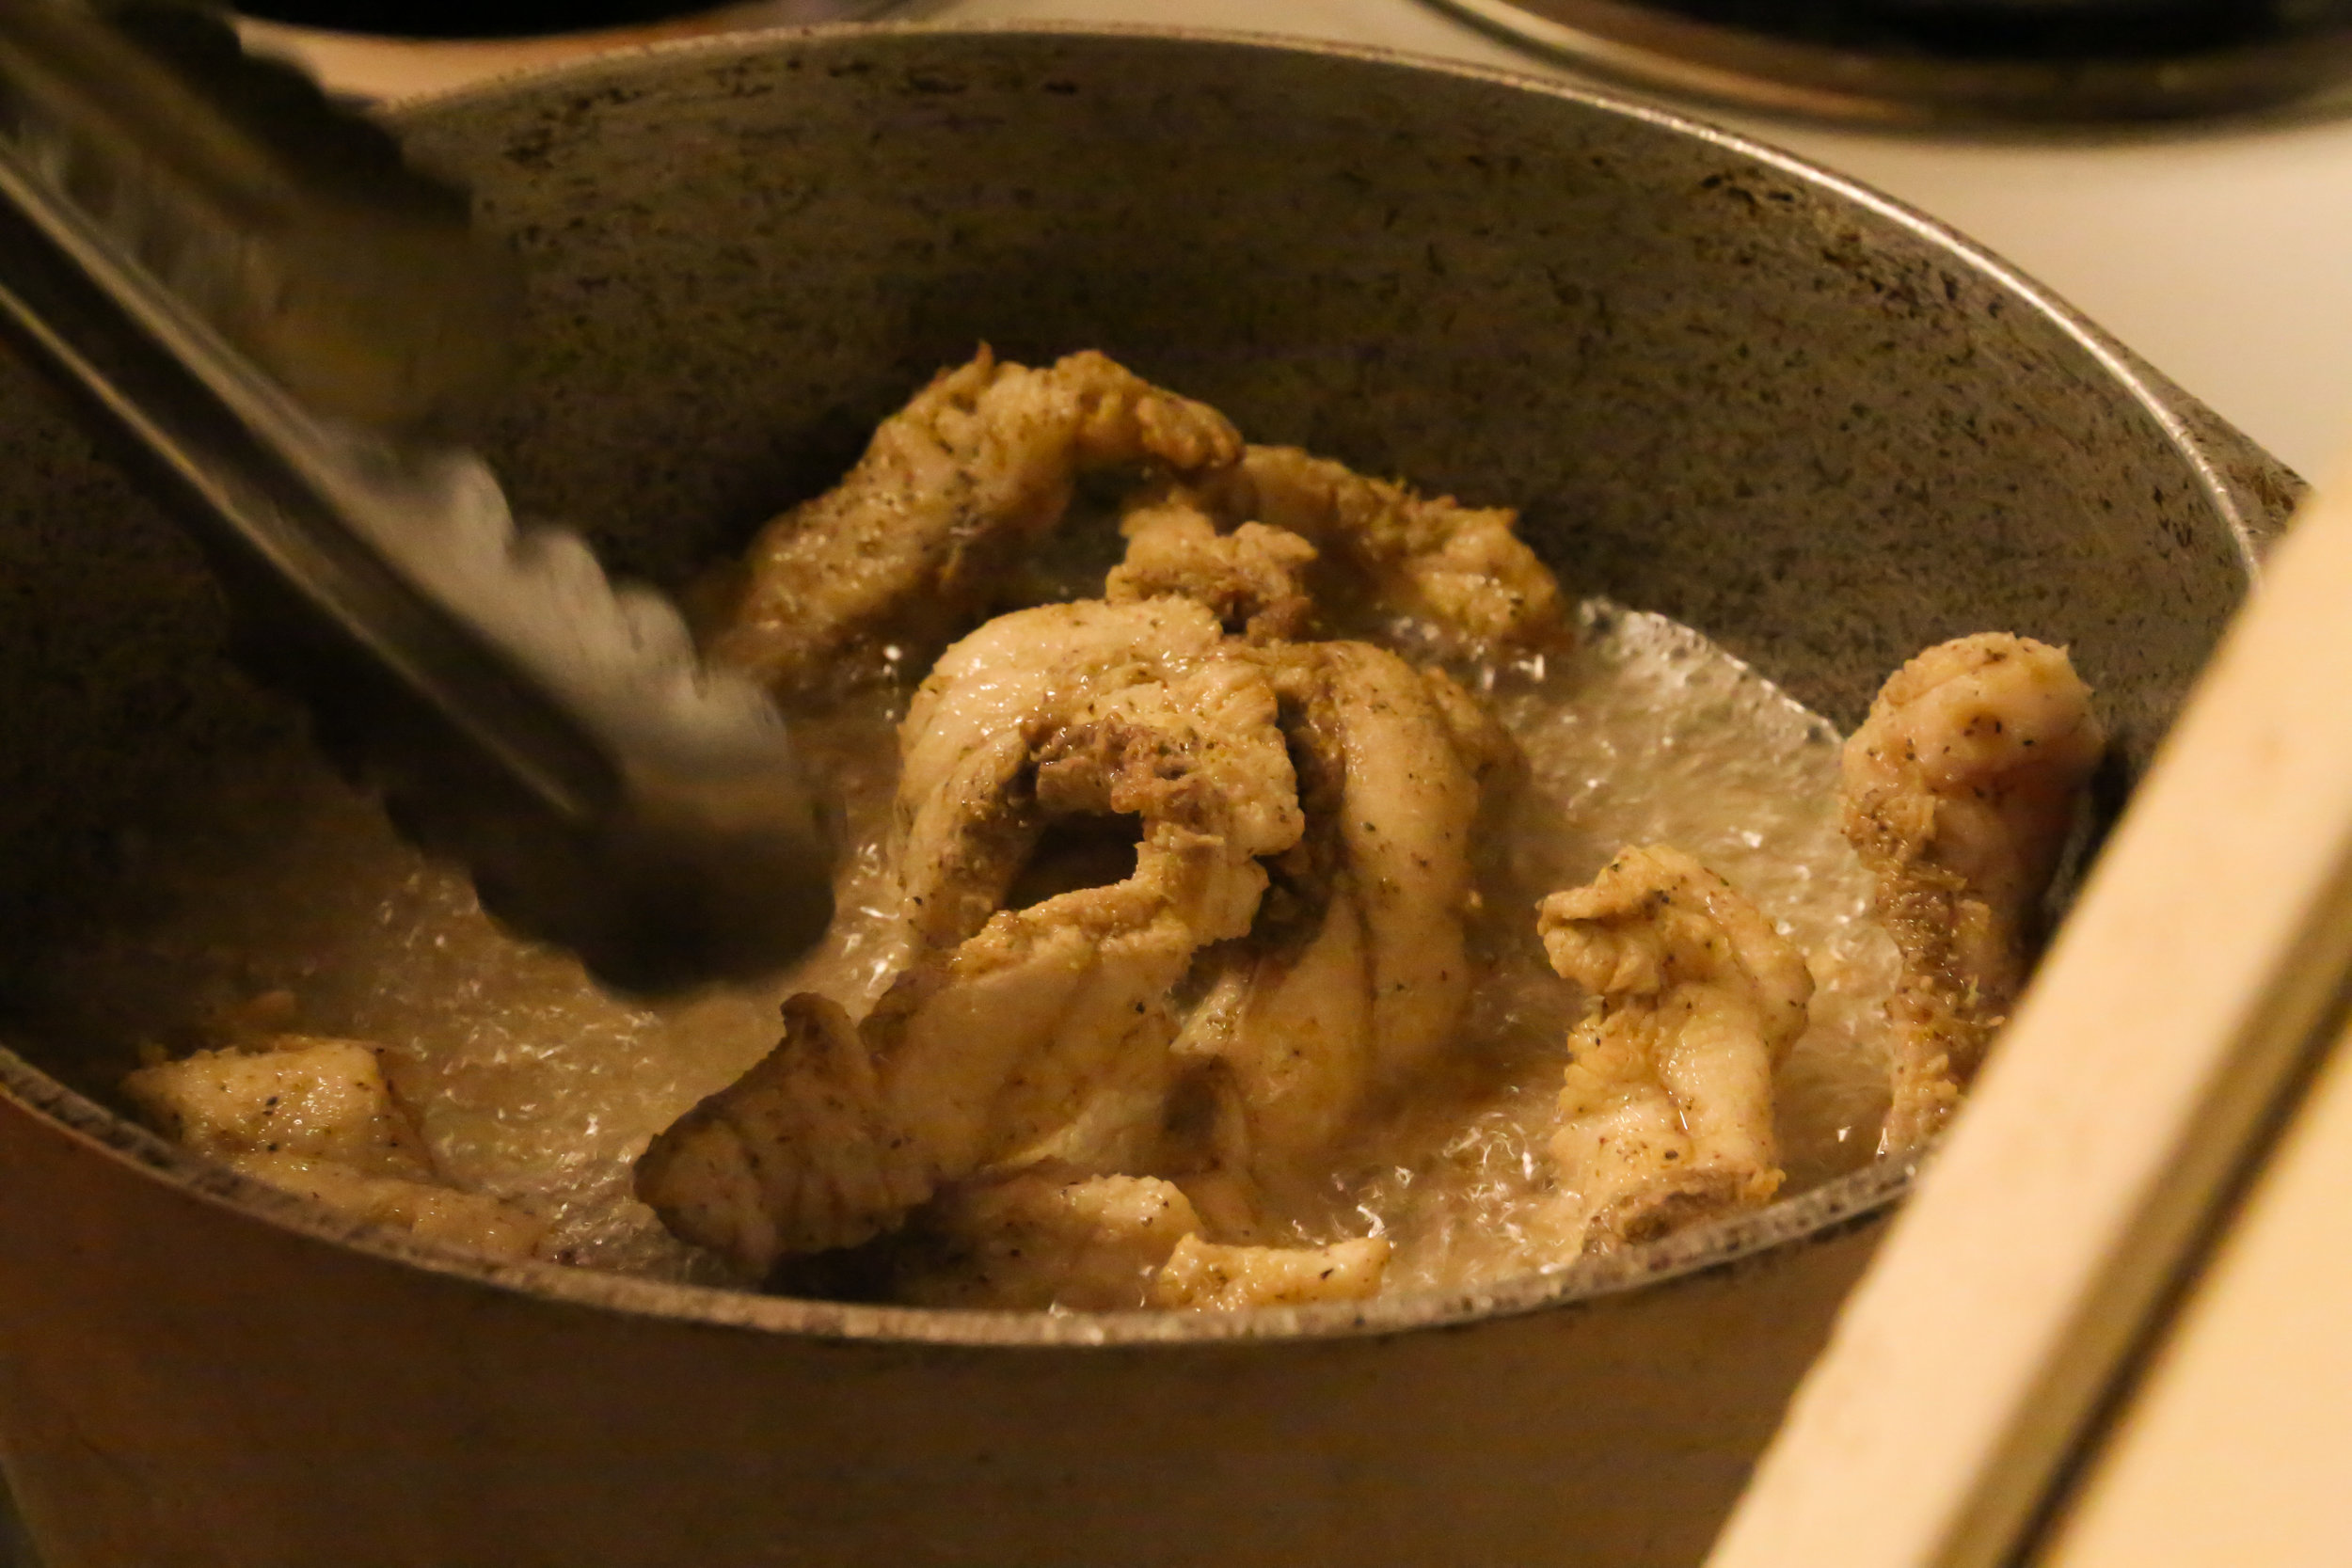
column 1666, row 1102
column 1203, row 1277
column 1462, row 571
column 895, row 561
column 300, row 1095
column 800, row 1154
column 1251, row 579
column 1358, row 975
column 1959, row 791
column 316, row 1116
column 1041, row 1239
column 428, row 1210
column 967, row 807
column 1043, row 1034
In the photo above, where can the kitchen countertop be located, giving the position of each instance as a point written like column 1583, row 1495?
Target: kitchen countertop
column 2217, row 252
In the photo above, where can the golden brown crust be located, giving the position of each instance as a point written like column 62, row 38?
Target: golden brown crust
column 1666, row 1102
column 901, row 556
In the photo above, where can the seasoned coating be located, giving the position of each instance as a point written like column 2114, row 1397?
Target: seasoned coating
column 300, row 1095
column 992, row 1049
column 1359, row 975
column 1043, row 1034
column 1202, row 1276
column 1480, row 739
column 1062, row 1005
column 315, row 1116
column 966, row 791
column 1462, row 571
column 897, row 560
column 1666, row 1102
column 800, row 1154
column 1386, row 751
column 1251, row 579
column 1959, row 790
column 1039, row 1239
column 1064, row 1017
column 428, row 1210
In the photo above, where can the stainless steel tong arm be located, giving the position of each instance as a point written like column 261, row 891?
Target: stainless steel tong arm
column 559, row 735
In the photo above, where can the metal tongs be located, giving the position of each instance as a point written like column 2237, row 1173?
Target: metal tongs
column 289, row 324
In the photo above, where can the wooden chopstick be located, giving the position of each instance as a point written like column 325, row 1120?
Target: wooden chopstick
column 2197, row 971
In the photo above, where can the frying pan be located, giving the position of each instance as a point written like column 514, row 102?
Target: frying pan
column 1719, row 384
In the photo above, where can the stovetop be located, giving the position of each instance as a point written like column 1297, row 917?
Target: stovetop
column 1944, row 62
column 2002, row 29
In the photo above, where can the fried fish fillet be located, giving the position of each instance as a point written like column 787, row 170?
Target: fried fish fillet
column 1041, row 1239
column 1361, row 974
column 1462, row 571
column 895, row 562
column 1251, row 579
column 1019, row 1035
column 1959, row 790
column 1203, row 1277
column 316, row 1116
column 1051, row 1017
column 1666, row 1102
